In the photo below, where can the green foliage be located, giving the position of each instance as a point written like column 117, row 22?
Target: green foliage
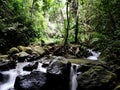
column 16, row 28
column 105, row 22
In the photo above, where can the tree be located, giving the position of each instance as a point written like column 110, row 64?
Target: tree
column 68, row 22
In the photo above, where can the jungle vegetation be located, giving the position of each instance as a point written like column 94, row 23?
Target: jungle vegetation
column 91, row 23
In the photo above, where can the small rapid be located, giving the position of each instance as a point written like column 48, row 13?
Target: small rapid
column 94, row 56
column 13, row 73
column 73, row 77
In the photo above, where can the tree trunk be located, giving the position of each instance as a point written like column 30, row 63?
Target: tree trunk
column 68, row 25
column 76, row 22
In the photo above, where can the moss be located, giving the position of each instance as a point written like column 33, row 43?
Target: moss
column 96, row 78
column 117, row 87
column 108, row 76
column 21, row 48
column 28, row 50
column 3, row 57
column 13, row 50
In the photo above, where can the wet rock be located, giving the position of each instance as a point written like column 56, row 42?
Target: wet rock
column 58, row 75
column 32, row 58
column 11, row 89
column 38, row 50
column 117, row 72
column 7, row 65
column 83, row 68
column 28, row 50
column 3, row 78
column 21, row 57
column 46, row 64
column 3, row 58
column 117, row 87
column 25, row 49
column 35, row 81
column 31, row 66
column 13, row 50
column 96, row 78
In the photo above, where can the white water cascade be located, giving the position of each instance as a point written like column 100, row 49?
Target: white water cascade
column 73, row 76
column 94, row 56
column 13, row 73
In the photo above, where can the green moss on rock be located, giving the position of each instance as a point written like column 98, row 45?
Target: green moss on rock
column 13, row 50
column 96, row 78
column 117, row 87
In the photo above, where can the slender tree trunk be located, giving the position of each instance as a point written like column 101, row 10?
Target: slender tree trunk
column 68, row 25
column 76, row 22
column 76, row 30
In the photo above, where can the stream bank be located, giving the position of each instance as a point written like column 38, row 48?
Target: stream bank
column 25, row 65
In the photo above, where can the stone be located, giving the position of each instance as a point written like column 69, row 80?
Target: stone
column 83, row 68
column 31, row 66
column 21, row 48
column 117, row 72
column 96, row 78
column 38, row 50
column 7, row 65
column 3, row 58
column 3, row 78
column 58, row 75
column 22, row 56
column 117, row 87
column 28, row 50
column 13, row 50
column 35, row 81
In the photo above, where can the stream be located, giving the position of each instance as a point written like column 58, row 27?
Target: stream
column 13, row 73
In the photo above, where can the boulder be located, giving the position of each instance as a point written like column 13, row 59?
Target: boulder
column 58, row 75
column 3, row 78
column 35, row 81
column 28, row 50
column 21, row 48
column 13, row 50
column 38, row 50
column 117, row 72
column 96, row 78
column 21, row 57
column 25, row 49
column 7, row 65
column 117, row 87
column 3, row 58
column 31, row 66
column 32, row 58
column 83, row 68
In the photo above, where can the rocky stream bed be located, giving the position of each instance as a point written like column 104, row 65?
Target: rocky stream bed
column 30, row 70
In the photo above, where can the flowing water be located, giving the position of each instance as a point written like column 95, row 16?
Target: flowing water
column 73, row 76
column 94, row 55
column 13, row 73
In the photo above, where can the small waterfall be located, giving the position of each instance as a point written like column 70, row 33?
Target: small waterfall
column 13, row 73
column 73, row 76
column 40, row 68
column 94, row 56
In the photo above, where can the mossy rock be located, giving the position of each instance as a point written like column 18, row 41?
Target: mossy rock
column 20, row 55
column 3, row 57
column 38, row 50
column 21, row 48
column 28, row 50
column 96, row 78
column 117, row 87
column 13, row 50
column 25, row 49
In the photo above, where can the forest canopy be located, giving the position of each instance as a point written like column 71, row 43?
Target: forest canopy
column 92, row 23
